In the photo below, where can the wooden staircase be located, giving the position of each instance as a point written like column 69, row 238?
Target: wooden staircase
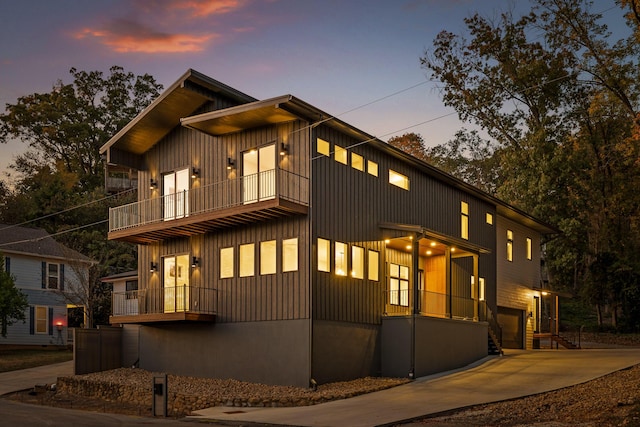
column 559, row 339
column 494, row 344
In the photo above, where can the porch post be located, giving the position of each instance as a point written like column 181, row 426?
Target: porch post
column 474, row 288
column 447, row 274
column 415, row 255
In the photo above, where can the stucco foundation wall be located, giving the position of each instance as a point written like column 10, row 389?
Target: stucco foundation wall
column 274, row 352
column 440, row 345
column 344, row 351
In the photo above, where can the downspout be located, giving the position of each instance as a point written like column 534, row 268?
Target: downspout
column 310, row 255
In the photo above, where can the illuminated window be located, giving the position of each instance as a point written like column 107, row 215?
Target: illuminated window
column 268, row 257
column 357, row 162
column 357, row 262
column 226, row 263
column 398, row 285
column 247, row 260
column 372, row 168
column 324, row 251
column 529, row 249
column 290, row 254
column 41, row 320
column 398, row 179
column 324, row 147
column 374, row 266
column 481, row 288
column 340, row 155
column 464, row 220
column 341, row 259
column 509, row 245
column 489, row 218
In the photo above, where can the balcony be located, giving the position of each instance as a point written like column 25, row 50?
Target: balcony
column 270, row 194
column 431, row 304
column 172, row 304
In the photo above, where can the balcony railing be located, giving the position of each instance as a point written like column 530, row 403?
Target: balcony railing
column 221, row 195
column 160, row 304
column 431, row 304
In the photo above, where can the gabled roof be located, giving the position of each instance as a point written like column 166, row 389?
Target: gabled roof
column 119, row 276
column 181, row 99
column 35, row 242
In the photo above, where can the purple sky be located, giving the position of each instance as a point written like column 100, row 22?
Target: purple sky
column 334, row 54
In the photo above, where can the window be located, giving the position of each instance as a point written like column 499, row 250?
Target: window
column 357, row 262
column 175, row 194
column 374, row 266
column 324, row 147
column 464, row 220
column 398, row 285
column 247, row 260
column 53, row 276
column 357, row 162
column 41, row 320
column 372, row 168
column 259, row 174
column 398, row 179
column 529, row 249
column 489, row 218
column 341, row 259
column 324, row 250
column 481, row 289
column 290, row 254
column 131, row 286
column 509, row 245
column 340, row 155
column 226, row 263
column 268, row 257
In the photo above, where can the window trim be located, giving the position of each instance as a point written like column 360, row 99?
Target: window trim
column 243, row 267
column 36, row 318
column 342, row 265
column 510, row 245
column 268, row 248
column 227, row 254
column 327, row 252
column 287, row 263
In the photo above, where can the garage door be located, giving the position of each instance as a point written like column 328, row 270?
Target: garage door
column 510, row 320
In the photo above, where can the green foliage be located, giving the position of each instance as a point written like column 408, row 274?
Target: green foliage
column 13, row 303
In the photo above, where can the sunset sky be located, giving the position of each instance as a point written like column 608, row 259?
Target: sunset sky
column 334, row 54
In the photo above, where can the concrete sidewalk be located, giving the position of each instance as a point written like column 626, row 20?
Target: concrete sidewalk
column 27, row 378
column 517, row 374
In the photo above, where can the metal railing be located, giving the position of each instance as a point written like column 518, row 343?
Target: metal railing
column 430, row 304
column 189, row 299
column 208, row 198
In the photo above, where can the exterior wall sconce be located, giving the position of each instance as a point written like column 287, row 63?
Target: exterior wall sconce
column 153, row 267
column 195, row 262
column 153, row 184
column 284, row 149
column 195, row 172
column 530, row 314
column 230, row 163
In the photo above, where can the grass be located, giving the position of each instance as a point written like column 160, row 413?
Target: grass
column 12, row 360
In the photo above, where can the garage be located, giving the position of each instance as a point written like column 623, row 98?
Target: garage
column 511, row 319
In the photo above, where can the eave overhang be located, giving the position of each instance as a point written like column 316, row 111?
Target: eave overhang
column 431, row 234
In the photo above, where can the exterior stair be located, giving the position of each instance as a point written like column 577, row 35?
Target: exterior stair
column 494, row 344
column 559, row 339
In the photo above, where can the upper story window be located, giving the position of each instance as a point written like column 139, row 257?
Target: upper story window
column 372, row 168
column 357, row 262
column 509, row 245
column 341, row 259
column 374, row 266
column 489, row 218
column 258, row 174
column 340, row 155
column 53, row 275
column 464, row 220
column 175, row 194
column 357, row 162
column 323, row 147
column 324, row 255
column 398, row 179
column 529, row 249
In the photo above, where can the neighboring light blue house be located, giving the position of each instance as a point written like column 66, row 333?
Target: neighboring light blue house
column 42, row 268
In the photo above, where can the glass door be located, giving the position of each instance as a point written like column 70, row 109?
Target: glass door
column 175, row 193
column 176, row 283
column 259, row 174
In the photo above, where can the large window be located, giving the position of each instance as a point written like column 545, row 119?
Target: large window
column 246, row 259
column 226, row 263
column 41, row 320
column 357, row 262
column 268, row 257
column 341, row 259
column 509, row 245
column 53, row 275
column 464, row 220
column 175, row 194
column 290, row 255
column 324, row 255
column 398, row 179
column 398, row 284
column 374, row 266
column 258, row 174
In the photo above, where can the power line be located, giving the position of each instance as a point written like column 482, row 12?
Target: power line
column 49, row 236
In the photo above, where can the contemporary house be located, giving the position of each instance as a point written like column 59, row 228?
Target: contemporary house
column 42, row 269
column 279, row 244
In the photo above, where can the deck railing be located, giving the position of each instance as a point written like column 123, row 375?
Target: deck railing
column 230, row 193
column 430, row 304
column 189, row 299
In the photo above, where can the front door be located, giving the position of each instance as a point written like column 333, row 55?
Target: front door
column 175, row 194
column 176, row 283
column 258, row 174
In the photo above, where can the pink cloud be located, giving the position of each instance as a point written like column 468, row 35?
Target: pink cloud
column 204, row 8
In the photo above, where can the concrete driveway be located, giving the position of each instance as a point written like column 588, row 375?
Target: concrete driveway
column 518, row 373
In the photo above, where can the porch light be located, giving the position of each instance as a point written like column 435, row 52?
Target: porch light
column 408, row 247
column 544, row 293
column 230, row 163
column 195, row 262
column 195, row 172
column 153, row 267
column 153, row 184
column 453, row 249
column 429, row 252
column 284, row 150
column 433, row 244
column 387, row 241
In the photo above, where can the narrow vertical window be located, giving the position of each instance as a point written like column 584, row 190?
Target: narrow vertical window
column 340, row 154
column 226, row 263
column 41, row 320
column 324, row 250
column 372, row 168
column 509, row 245
column 357, row 162
column 489, row 218
column 341, row 259
column 324, row 147
column 398, row 285
column 357, row 262
column 529, row 249
column 290, row 254
column 374, row 266
column 398, row 180
column 268, row 257
column 464, row 220
column 481, row 289
column 247, row 260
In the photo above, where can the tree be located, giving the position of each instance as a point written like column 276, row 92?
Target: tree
column 411, row 143
column 13, row 303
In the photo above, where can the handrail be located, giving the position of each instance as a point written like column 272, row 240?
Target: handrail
column 486, row 315
column 190, row 299
column 220, row 195
column 430, row 304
